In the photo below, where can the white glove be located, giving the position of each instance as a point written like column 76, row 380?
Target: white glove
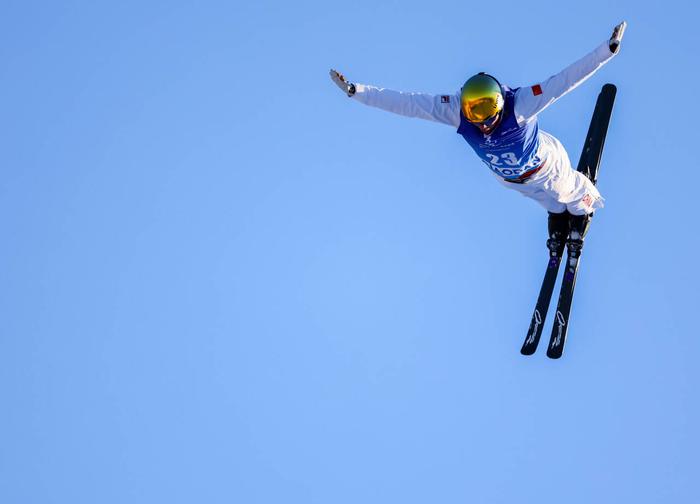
column 340, row 81
column 616, row 38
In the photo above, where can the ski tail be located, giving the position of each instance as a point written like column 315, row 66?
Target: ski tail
column 560, row 328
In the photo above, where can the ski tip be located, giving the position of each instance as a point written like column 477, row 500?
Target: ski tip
column 527, row 351
column 609, row 88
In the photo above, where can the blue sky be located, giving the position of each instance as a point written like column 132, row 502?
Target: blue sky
column 223, row 281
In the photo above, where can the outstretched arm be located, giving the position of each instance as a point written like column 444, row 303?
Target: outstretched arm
column 440, row 108
column 531, row 100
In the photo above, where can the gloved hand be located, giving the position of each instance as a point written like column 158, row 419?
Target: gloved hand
column 616, row 38
column 340, row 81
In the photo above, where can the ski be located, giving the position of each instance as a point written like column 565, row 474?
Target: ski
column 588, row 165
column 561, row 322
column 538, row 317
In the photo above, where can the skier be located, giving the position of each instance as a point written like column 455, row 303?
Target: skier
column 500, row 124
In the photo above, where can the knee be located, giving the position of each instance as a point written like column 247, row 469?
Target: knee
column 585, row 205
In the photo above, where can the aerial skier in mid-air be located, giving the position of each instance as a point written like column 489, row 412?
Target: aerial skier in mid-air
column 500, row 124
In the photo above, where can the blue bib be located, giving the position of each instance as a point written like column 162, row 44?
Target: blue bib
column 510, row 150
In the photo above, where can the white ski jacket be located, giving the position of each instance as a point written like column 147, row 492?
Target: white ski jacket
column 529, row 101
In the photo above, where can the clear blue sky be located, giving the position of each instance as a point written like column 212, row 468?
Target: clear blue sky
column 224, row 282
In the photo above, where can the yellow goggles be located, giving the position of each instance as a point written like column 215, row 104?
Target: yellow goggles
column 482, row 98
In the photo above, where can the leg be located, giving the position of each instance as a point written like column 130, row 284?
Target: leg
column 564, row 184
column 585, row 199
column 535, row 192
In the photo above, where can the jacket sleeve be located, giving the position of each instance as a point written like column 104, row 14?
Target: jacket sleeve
column 439, row 108
column 531, row 100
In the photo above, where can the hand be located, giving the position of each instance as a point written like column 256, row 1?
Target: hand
column 340, row 81
column 616, row 37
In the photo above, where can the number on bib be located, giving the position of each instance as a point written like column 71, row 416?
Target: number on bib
column 508, row 157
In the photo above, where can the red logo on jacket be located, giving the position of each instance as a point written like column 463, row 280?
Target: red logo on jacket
column 536, row 90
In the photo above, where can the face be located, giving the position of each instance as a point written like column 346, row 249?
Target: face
column 489, row 124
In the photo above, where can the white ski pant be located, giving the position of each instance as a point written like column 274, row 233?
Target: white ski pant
column 557, row 186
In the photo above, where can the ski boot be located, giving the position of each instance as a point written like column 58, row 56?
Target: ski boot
column 577, row 232
column 558, row 225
